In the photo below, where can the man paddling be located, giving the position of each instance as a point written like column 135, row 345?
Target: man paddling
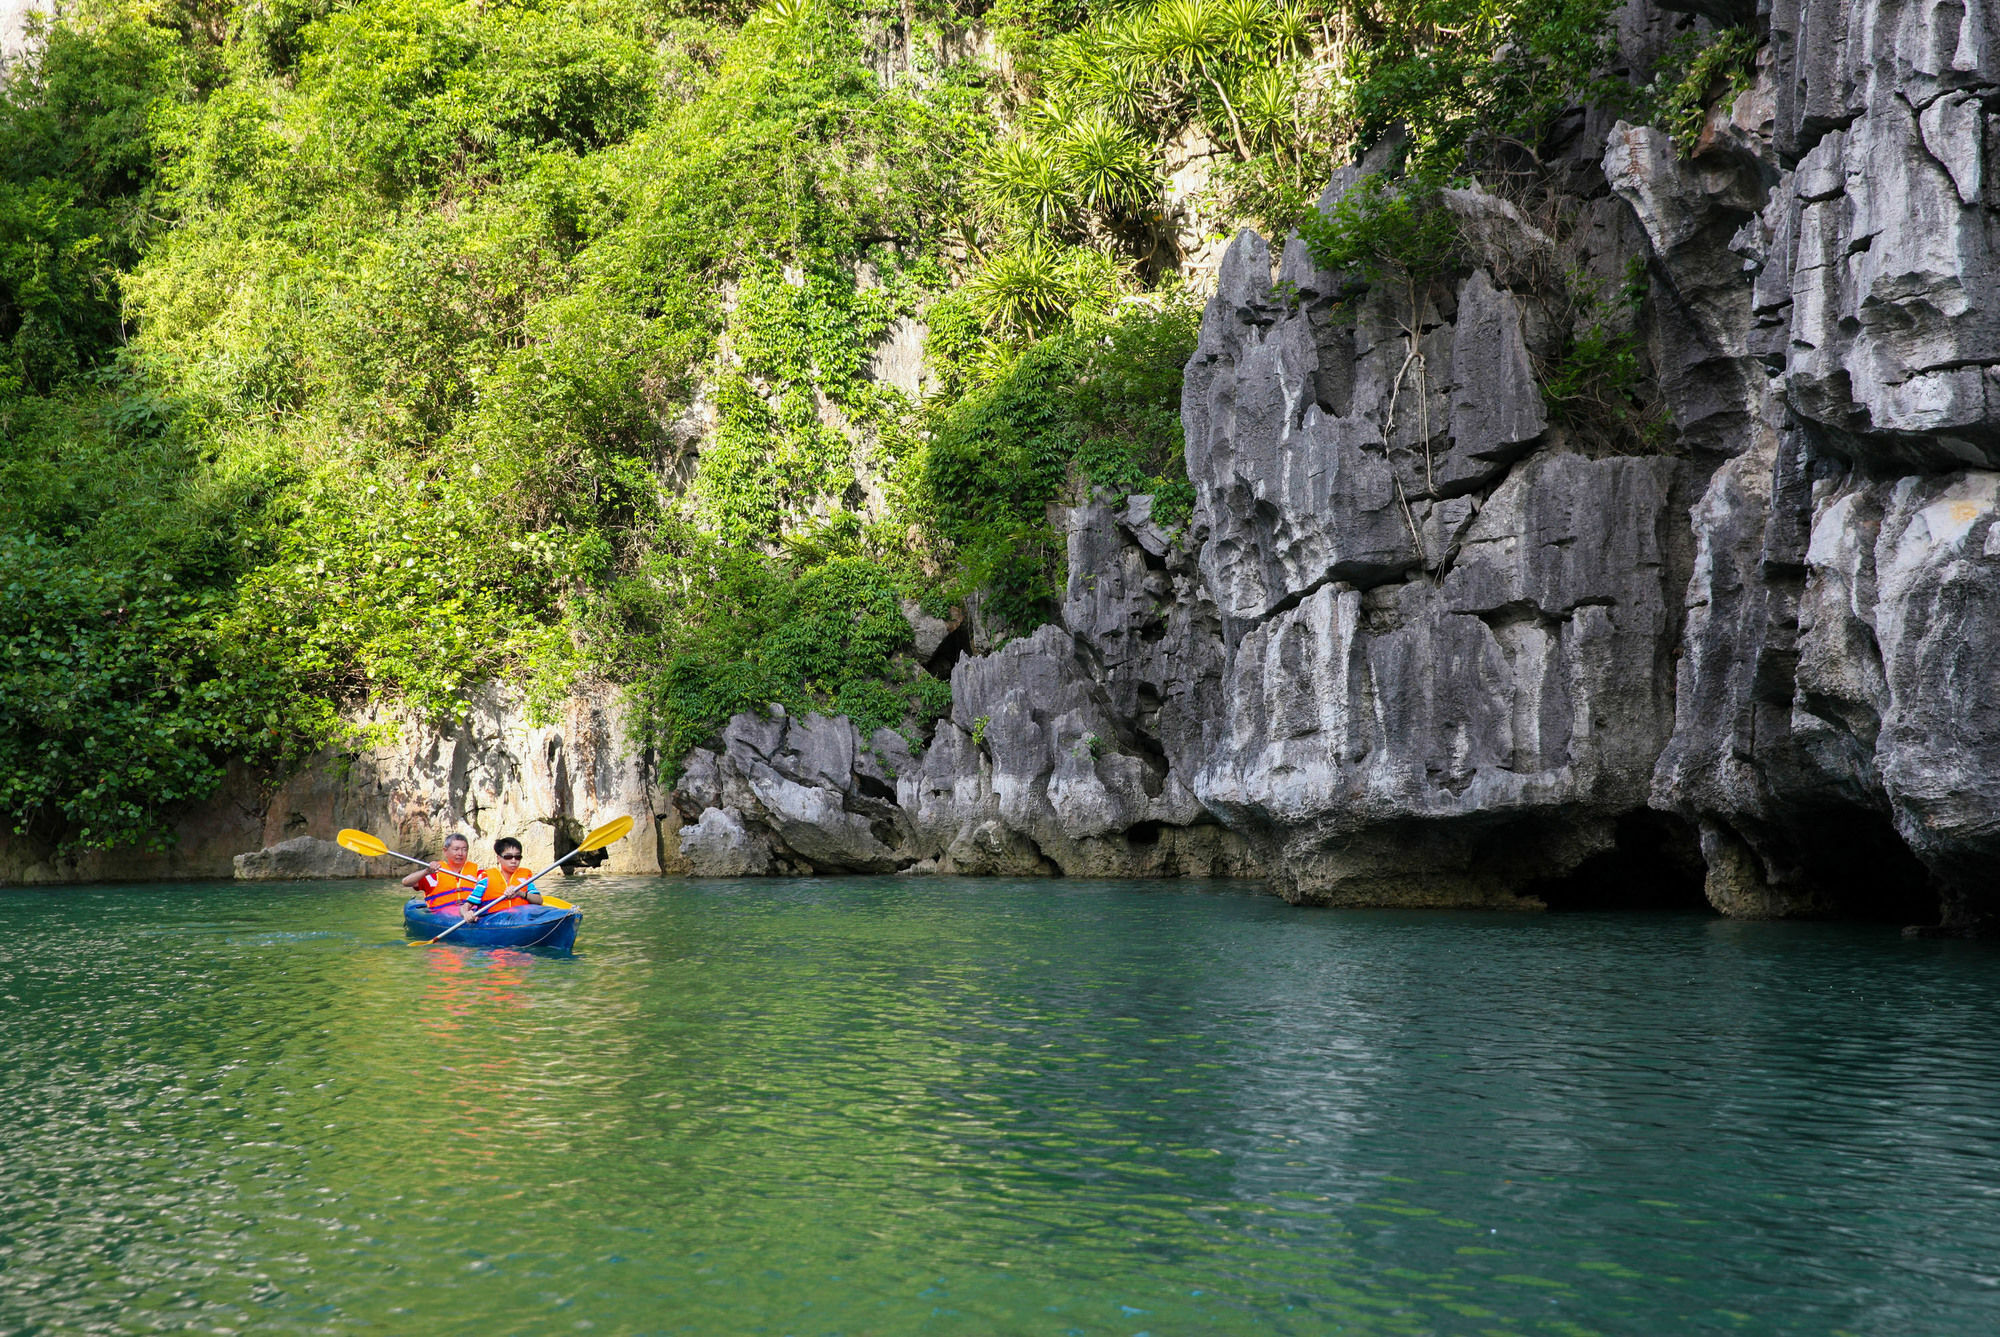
column 446, row 883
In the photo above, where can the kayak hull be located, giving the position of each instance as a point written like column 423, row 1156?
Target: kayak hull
column 542, row 926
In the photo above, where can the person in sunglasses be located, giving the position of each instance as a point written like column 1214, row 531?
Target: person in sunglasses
column 496, row 891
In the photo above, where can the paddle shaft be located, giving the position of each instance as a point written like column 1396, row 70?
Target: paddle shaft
column 440, row 871
column 392, row 854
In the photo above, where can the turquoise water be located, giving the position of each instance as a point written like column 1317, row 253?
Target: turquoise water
column 886, row 1106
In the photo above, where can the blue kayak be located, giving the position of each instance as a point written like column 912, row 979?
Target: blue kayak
column 530, row 926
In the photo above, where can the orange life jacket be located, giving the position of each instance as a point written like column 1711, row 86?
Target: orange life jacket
column 498, row 884
column 449, row 885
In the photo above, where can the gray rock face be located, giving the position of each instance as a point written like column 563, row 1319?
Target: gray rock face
column 1834, row 737
column 720, row 846
column 305, row 857
column 1037, row 771
column 1436, row 652
column 798, row 794
column 1890, row 246
column 1420, row 644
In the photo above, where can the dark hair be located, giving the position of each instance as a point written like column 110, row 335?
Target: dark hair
column 505, row 843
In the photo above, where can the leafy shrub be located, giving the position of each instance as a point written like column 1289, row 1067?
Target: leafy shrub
column 1596, row 383
column 1380, row 230
column 706, row 631
column 1464, row 78
column 1035, row 286
column 1696, row 70
column 76, row 191
column 1096, row 403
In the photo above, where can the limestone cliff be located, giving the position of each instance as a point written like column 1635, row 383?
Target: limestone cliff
column 1434, row 635
column 496, row 773
column 1423, row 644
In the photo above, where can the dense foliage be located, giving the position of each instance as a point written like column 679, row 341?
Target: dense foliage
column 382, row 348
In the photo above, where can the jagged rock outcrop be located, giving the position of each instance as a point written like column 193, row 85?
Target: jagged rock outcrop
column 800, row 795
column 1049, row 762
column 1437, row 649
column 1835, row 738
column 1038, row 770
column 1420, row 644
column 1446, row 638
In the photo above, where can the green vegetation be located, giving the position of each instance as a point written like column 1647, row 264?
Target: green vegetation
column 1595, row 383
column 382, row 349
column 1697, row 70
column 1471, row 87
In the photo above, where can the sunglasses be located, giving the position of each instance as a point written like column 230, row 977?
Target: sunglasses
column 515, row 857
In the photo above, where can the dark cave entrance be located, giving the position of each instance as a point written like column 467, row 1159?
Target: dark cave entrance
column 568, row 835
column 1654, row 864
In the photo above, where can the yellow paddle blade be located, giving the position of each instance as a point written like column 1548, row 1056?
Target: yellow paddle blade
column 613, row 830
column 361, row 843
column 557, row 902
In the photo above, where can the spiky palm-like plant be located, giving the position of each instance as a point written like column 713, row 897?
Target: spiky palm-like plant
column 1268, row 103
column 1243, row 27
column 1023, row 290
column 1184, row 38
column 1291, row 28
column 1194, row 40
column 1106, row 164
column 1127, row 91
column 1119, row 75
column 1047, row 116
column 1077, row 62
column 788, row 13
column 1026, row 181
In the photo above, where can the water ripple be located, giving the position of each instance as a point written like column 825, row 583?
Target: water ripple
column 902, row 1106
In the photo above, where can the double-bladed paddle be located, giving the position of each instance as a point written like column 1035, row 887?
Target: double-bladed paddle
column 611, row 831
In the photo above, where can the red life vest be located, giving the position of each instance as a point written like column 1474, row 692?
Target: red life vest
column 450, row 885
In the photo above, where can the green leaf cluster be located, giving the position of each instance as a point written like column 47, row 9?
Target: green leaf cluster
column 76, row 191
column 1596, row 381
column 1382, row 230
column 1697, row 69
column 1094, row 405
column 119, row 690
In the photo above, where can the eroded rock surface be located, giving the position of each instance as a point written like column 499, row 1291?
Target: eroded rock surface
column 803, row 795
column 1834, row 738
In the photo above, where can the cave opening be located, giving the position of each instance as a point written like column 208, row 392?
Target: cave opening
column 956, row 645
column 568, row 835
column 1856, row 864
column 1654, row 864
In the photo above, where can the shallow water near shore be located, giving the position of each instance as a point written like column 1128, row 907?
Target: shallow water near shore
column 884, row 1106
